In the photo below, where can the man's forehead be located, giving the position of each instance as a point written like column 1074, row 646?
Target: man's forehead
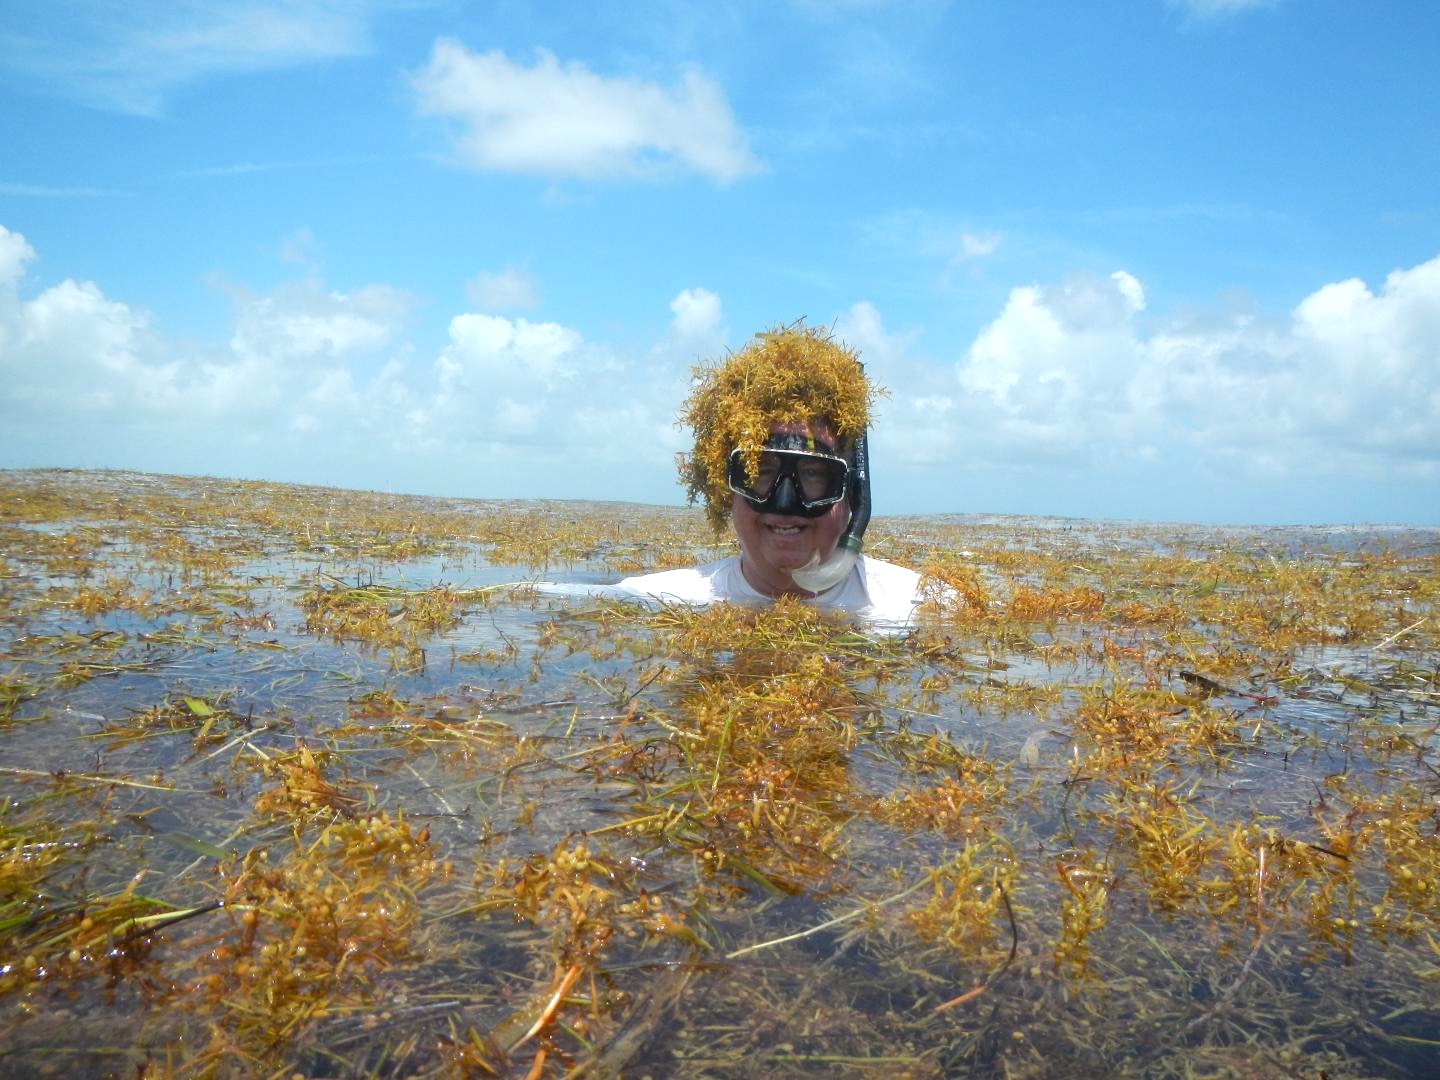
column 805, row 435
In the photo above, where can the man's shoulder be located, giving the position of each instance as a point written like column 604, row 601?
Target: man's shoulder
column 888, row 576
column 892, row 593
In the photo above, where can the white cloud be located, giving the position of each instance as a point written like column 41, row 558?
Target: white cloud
column 73, row 351
column 1130, row 290
column 551, row 411
column 487, row 353
column 1076, row 380
column 317, row 384
column 69, row 347
column 1376, row 359
column 697, row 314
column 504, row 290
column 1350, row 380
column 978, row 245
column 516, row 417
column 15, row 253
column 303, row 321
column 564, row 120
column 915, row 422
column 882, row 353
column 129, row 57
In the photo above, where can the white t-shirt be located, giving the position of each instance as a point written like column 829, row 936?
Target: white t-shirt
column 874, row 590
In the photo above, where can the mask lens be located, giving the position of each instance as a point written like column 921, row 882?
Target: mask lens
column 820, row 478
column 767, row 475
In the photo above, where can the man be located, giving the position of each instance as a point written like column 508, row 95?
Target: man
column 781, row 454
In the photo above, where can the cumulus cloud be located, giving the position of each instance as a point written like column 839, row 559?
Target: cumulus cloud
column 550, row 413
column 1350, row 378
column 503, row 290
column 1051, row 344
column 883, row 353
column 564, row 120
column 696, row 314
column 1067, row 379
column 15, row 253
column 71, row 350
column 487, row 352
column 127, row 58
column 83, row 331
column 304, row 322
column 916, row 420
column 316, row 382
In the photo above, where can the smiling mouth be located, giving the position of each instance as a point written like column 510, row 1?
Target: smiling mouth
column 784, row 530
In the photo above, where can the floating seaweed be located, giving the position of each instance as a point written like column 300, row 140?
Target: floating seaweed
column 306, row 781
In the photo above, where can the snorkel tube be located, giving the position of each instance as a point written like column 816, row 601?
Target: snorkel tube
column 816, row 576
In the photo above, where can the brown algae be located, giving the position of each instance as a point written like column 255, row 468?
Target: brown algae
column 300, row 781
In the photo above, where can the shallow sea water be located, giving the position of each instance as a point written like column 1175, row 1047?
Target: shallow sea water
column 307, row 782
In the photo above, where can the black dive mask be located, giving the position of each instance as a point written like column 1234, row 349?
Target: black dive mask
column 794, row 476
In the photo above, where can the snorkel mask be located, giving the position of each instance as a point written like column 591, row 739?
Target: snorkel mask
column 794, row 477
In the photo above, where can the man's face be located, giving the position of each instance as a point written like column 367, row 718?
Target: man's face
column 771, row 545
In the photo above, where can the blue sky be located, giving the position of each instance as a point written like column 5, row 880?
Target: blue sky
column 1149, row 259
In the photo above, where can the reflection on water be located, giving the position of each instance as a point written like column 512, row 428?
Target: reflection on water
column 298, row 780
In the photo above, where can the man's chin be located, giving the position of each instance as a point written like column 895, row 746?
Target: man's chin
column 793, row 562
column 787, row 552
